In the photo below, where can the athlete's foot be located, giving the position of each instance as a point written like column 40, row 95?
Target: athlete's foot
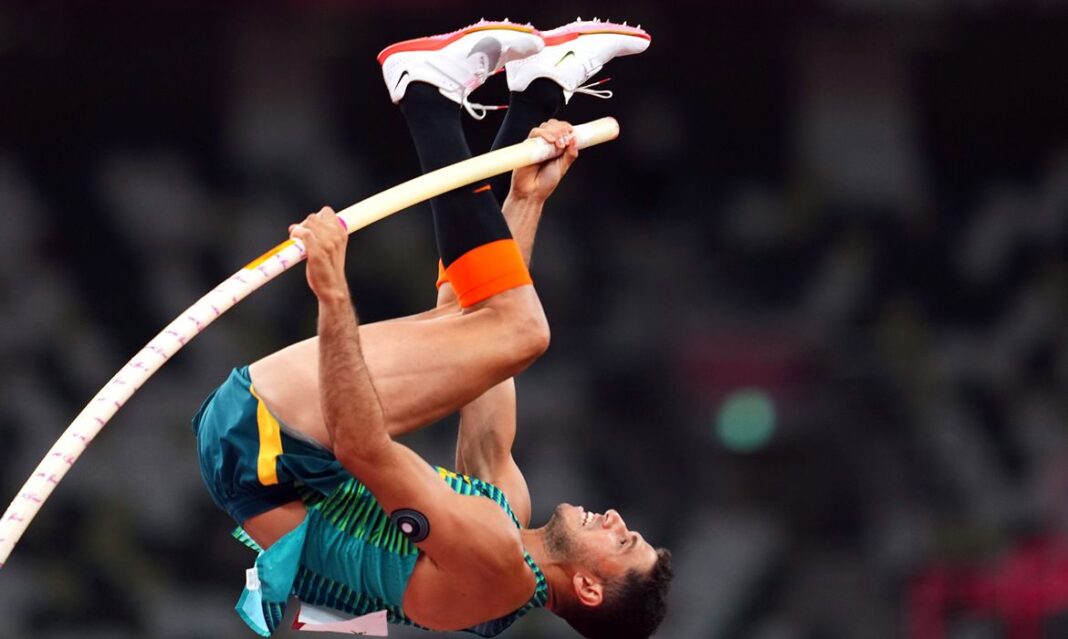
column 574, row 53
column 458, row 62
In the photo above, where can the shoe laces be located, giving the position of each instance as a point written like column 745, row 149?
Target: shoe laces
column 478, row 111
column 474, row 109
column 588, row 89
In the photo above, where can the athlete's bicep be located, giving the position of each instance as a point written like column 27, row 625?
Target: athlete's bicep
column 487, row 431
column 484, row 445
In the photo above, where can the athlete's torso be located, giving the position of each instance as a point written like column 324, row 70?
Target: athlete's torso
column 352, row 558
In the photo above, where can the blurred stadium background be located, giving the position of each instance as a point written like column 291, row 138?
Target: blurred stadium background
column 809, row 312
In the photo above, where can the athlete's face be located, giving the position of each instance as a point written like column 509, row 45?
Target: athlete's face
column 600, row 541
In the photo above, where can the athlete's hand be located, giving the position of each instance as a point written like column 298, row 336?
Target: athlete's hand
column 538, row 181
column 325, row 239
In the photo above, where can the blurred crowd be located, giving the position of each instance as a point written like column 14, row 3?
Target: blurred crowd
column 855, row 211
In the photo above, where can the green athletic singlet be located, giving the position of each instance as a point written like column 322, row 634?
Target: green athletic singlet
column 348, row 555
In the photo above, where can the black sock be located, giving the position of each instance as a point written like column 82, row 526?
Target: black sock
column 540, row 101
column 469, row 216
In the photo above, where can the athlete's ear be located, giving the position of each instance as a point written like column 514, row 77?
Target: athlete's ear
column 588, row 589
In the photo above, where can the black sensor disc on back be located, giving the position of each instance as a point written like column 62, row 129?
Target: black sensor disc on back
column 412, row 523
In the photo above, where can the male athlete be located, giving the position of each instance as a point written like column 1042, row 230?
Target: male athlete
column 299, row 447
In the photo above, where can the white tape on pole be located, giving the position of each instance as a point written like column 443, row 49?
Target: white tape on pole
column 263, row 269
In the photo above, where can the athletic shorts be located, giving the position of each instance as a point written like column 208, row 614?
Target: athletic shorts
column 251, row 462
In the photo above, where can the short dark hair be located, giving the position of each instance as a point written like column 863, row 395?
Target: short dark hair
column 631, row 609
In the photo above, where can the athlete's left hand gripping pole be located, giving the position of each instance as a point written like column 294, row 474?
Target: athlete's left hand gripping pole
column 271, row 264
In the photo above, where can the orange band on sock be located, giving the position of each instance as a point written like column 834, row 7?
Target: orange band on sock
column 487, row 270
column 481, row 189
column 442, row 277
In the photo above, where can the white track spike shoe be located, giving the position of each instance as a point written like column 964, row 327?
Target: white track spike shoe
column 574, row 53
column 458, row 62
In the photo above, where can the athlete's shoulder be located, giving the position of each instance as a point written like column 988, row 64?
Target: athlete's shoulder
column 454, row 598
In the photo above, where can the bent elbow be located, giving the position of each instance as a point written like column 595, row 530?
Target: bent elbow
column 358, row 452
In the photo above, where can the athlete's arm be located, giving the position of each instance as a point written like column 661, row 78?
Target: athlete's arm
column 470, row 539
column 532, row 185
column 484, row 446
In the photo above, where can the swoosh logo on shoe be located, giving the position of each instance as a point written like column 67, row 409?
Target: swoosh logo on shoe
column 403, row 75
column 491, row 48
column 569, row 54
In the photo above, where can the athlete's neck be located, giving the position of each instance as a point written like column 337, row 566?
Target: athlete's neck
column 557, row 574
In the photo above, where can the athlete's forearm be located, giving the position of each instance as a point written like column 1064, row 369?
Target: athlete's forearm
column 523, row 215
column 351, row 407
column 352, row 412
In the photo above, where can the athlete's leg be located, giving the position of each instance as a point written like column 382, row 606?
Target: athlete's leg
column 542, row 83
column 538, row 102
column 427, row 369
column 540, row 87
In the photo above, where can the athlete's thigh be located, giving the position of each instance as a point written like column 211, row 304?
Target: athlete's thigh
column 267, row 528
column 425, row 370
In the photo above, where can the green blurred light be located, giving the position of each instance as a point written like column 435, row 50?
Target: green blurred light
column 746, row 420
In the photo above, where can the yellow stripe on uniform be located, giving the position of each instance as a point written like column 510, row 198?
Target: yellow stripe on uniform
column 447, row 474
column 270, row 443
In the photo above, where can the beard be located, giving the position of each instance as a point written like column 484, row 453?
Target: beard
column 557, row 537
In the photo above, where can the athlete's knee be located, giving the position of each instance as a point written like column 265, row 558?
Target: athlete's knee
column 535, row 335
column 525, row 326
